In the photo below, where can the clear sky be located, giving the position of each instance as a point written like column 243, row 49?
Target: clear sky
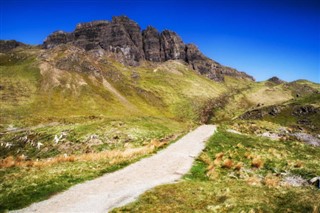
column 264, row 38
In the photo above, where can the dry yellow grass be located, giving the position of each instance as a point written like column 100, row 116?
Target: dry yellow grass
column 219, row 155
column 271, row 180
column 298, row 164
column 212, row 174
column 7, row 162
column 156, row 143
column 210, row 167
column 227, row 163
column 238, row 166
column 239, row 145
column 114, row 156
column 217, row 162
column 267, row 96
column 205, row 158
column 257, row 162
column 218, row 159
column 253, row 181
column 248, row 155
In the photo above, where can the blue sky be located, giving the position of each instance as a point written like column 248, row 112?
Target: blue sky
column 264, row 38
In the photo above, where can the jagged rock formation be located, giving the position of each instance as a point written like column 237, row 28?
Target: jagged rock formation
column 276, row 80
column 124, row 39
column 7, row 45
column 152, row 45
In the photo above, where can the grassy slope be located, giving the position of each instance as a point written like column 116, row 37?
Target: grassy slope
column 160, row 100
column 216, row 186
column 288, row 116
column 244, row 96
column 42, row 102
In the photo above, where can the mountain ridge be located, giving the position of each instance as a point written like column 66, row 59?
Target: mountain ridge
column 130, row 45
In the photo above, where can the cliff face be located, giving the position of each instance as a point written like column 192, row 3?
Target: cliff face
column 152, row 45
column 124, row 38
column 7, row 45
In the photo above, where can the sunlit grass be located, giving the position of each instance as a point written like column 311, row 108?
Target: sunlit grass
column 23, row 182
column 239, row 173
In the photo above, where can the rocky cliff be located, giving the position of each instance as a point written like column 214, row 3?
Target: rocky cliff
column 7, row 45
column 275, row 80
column 124, row 38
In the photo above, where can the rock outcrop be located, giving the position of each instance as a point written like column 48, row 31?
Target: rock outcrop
column 208, row 67
column 276, row 80
column 152, row 45
column 124, row 39
column 172, row 46
column 7, row 45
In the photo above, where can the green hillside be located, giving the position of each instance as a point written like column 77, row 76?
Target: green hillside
column 68, row 90
column 69, row 115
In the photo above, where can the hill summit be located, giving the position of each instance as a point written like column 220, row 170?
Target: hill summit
column 124, row 39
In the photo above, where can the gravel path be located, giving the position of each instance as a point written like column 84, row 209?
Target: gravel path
column 124, row 186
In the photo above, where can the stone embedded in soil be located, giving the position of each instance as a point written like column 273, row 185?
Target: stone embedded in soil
column 307, row 138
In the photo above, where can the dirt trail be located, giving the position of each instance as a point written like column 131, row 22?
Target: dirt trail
column 124, row 186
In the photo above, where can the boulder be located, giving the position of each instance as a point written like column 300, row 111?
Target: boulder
column 305, row 110
column 315, row 181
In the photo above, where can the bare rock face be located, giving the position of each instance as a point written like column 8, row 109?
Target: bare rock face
column 121, row 36
column 305, row 110
column 172, row 46
column 56, row 38
column 152, row 45
column 7, row 45
column 125, row 41
column 90, row 35
column 276, row 80
column 208, row 67
column 132, row 29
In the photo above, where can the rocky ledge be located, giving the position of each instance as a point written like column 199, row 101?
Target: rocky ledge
column 123, row 37
column 276, row 80
column 7, row 45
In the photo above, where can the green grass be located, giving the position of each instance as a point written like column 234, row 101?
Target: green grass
column 21, row 186
column 45, row 103
column 165, row 99
column 34, row 94
column 229, row 190
column 287, row 117
column 112, row 133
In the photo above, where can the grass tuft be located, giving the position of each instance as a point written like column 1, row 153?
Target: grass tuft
column 227, row 163
column 257, row 162
column 214, row 189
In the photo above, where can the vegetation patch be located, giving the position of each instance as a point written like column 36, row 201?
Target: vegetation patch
column 23, row 182
column 241, row 173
